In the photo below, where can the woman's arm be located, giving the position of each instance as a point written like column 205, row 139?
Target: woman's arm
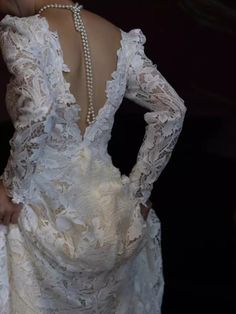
column 29, row 104
column 147, row 87
column 9, row 212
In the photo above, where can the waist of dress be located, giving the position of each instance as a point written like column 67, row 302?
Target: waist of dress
column 53, row 158
column 83, row 168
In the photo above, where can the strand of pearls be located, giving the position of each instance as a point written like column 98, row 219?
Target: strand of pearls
column 79, row 26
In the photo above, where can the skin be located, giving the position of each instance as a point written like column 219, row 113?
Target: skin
column 23, row 8
column 9, row 212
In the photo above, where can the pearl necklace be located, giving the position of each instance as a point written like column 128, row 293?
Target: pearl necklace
column 79, row 26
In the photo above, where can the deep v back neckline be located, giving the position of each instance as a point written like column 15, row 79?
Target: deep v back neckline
column 84, row 133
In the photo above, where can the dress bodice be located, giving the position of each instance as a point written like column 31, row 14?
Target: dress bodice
column 45, row 113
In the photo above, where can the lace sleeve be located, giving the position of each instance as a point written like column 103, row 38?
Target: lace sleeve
column 147, row 87
column 29, row 104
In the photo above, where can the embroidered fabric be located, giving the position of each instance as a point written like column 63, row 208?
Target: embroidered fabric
column 147, row 87
column 30, row 106
column 81, row 244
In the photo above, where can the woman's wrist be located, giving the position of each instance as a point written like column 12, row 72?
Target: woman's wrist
column 1, row 180
column 2, row 186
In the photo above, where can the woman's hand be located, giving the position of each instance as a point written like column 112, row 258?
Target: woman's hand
column 145, row 210
column 9, row 212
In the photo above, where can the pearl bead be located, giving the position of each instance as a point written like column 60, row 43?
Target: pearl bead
column 79, row 26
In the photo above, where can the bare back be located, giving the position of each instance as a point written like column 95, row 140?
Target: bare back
column 104, row 40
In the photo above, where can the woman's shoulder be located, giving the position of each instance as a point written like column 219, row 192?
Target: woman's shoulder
column 30, row 29
column 98, row 22
column 110, row 30
column 99, row 27
column 27, row 35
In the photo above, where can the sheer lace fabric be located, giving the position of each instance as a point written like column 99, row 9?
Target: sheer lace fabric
column 81, row 244
column 147, row 87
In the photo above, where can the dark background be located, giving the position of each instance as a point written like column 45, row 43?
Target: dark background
column 193, row 45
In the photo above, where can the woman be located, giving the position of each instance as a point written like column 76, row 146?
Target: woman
column 75, row 235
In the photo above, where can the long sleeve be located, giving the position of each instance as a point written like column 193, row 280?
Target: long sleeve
column 147, row 87
column 29, row 104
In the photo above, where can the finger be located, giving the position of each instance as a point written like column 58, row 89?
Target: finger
column 144, row 211
column 145, row 215
column 16, row 212
column 144, row 208
column 149, row 204
column 14, row 217
column 6, row 219
column 17, row 206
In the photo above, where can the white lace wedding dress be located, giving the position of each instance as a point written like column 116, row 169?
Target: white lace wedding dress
column 81, row 244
